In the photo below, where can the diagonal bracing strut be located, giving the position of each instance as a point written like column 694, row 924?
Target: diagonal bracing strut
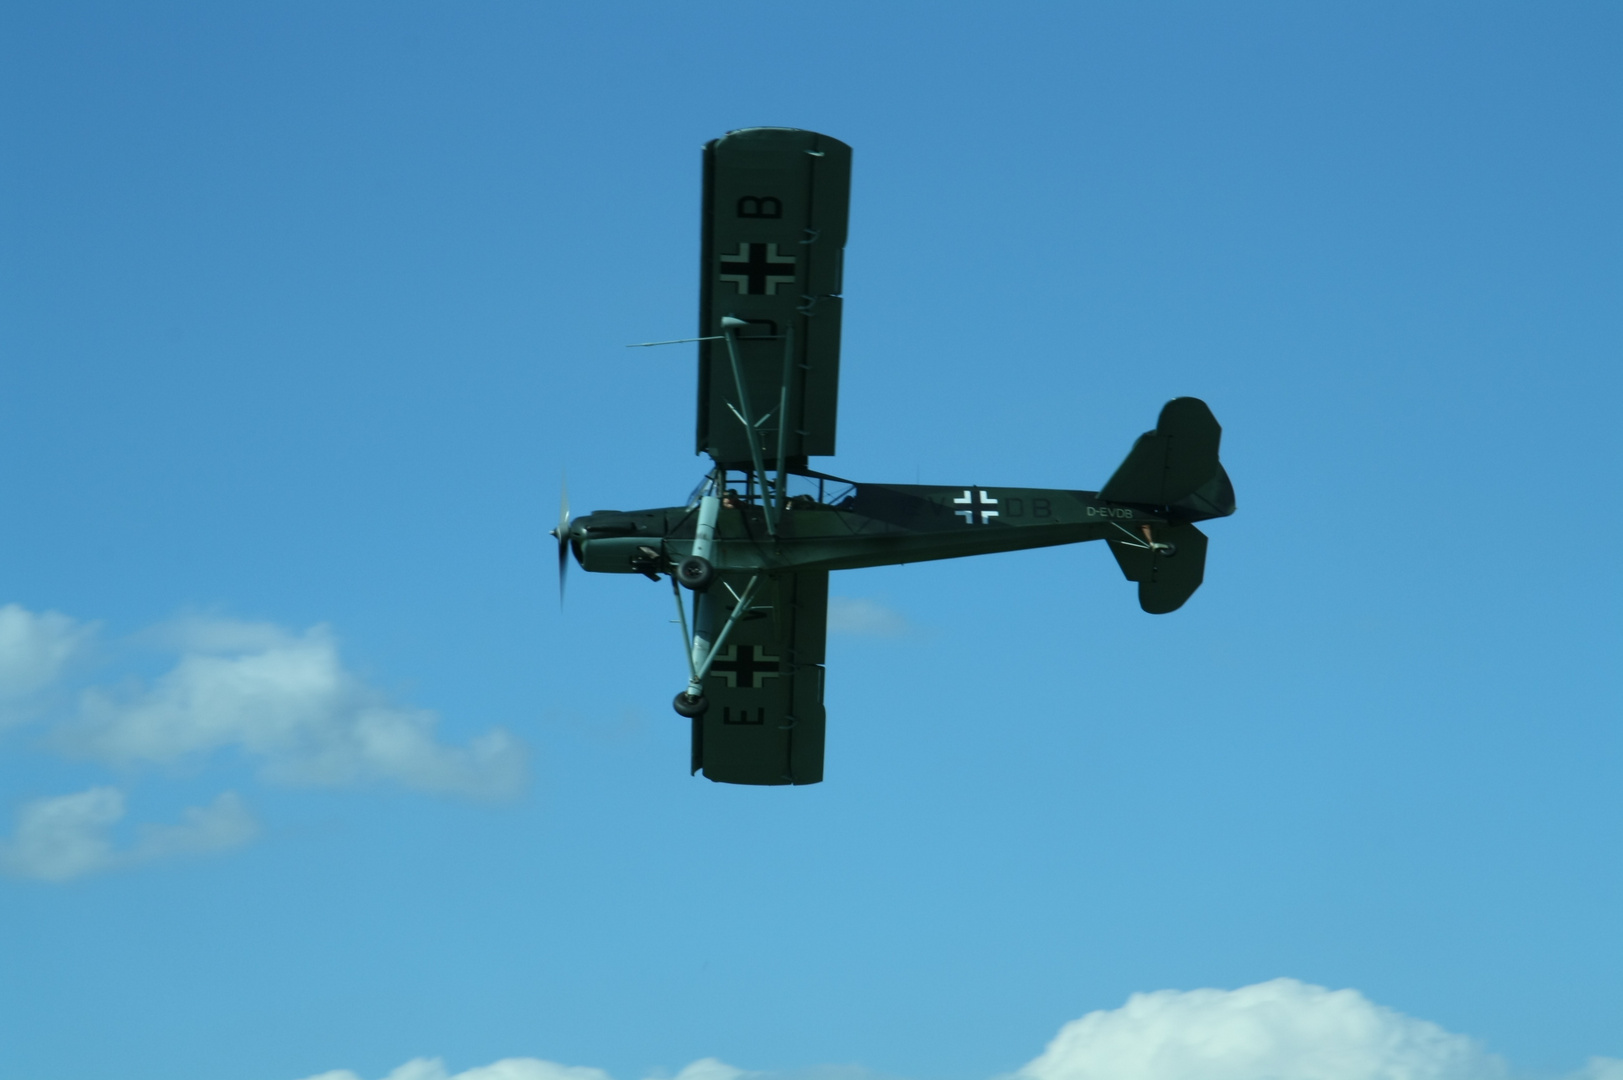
column 703, row 653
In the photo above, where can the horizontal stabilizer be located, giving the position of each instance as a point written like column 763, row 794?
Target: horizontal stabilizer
column 1173, row 461
column 1166, row 576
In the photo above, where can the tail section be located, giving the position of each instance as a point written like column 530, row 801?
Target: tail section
column 1176, row 464
column 1175, row 470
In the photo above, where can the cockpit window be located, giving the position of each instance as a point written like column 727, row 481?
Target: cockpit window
column 808, row 490
column 804, row 490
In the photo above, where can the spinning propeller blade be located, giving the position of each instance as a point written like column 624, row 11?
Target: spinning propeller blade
column 562, row 533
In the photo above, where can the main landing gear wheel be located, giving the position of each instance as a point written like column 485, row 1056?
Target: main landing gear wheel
column 690, row 706
column 1168, row 550
column 696, row 573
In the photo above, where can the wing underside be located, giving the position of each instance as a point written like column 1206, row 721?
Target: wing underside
column 765, row 688
column 775, row 207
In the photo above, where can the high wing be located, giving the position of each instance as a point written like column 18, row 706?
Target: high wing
column 776, row 202
column 765, row 687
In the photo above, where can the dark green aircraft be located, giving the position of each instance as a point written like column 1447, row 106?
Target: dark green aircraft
column 756, row 540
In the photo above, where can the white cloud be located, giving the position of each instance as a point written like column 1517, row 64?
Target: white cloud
column 288, row 700
column 537, row 1069
column 1280, row 1029
column 69, row 836
column 710, row 1069
column 35, row 648
column 506, row 1069
column 864, row 617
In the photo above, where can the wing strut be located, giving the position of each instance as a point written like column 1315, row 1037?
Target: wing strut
column 687, row 636
column 783, row 418
column 729, row 330
column 702, row 653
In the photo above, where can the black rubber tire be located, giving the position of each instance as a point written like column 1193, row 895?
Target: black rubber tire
column 690, row 706
column 695, row 573
column 1168, row 550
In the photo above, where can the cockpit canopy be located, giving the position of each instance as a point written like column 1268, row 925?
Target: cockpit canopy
column 805, row 490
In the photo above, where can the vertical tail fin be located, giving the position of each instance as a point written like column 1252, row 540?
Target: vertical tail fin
column 1176, row 465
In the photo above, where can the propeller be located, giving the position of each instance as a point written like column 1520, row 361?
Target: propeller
column 562, row 533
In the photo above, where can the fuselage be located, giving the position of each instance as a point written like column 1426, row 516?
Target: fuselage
column 868, row 525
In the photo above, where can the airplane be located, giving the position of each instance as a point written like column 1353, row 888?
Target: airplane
column 755, row 542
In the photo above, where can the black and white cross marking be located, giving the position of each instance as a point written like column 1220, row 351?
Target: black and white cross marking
column 758, row 269
column 742, row 665
column 976, row 503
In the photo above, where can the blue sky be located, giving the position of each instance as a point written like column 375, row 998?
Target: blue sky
column 305, row 308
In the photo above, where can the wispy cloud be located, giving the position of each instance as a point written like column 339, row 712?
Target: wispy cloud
column 34, row 651
column 288, row 701
column 1601, row 1068
column 537, row 1069
column 69, row 836
column 1280, row 1028
column 282, row 699
column 865, row 617
column 506, row 1069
